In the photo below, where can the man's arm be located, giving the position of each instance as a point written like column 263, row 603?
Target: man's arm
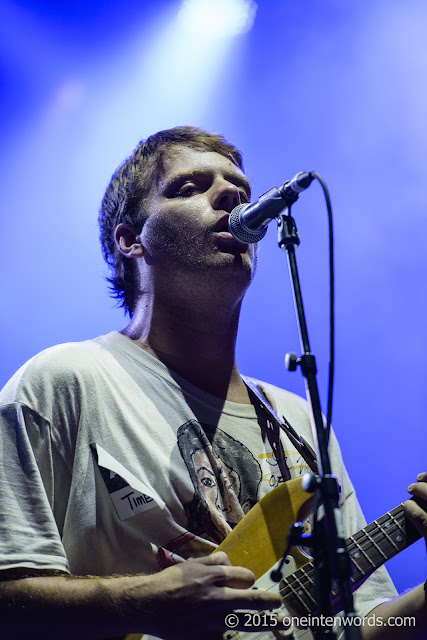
column 414, row 602
column 190, row 598
column 395, row 618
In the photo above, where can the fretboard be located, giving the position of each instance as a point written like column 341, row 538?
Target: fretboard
column 369, row 548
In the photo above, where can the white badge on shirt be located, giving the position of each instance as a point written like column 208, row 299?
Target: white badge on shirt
column 134, row 498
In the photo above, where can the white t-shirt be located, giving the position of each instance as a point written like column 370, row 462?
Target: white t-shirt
column 113, row 464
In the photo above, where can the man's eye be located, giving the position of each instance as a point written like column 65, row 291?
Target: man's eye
column 187, row 190
column 244, row 197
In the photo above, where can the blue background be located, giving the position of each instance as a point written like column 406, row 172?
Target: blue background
column 335, row 87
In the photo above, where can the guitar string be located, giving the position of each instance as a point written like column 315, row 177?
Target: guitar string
column 290, row 580
column 291, row 595
column 363, row 537
column 379, row 529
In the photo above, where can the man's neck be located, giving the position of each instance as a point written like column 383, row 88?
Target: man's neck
column 197, row 342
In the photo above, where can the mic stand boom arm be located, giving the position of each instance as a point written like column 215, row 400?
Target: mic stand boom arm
column 335, row 564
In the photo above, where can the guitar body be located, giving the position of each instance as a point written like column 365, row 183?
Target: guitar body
column 258, row 541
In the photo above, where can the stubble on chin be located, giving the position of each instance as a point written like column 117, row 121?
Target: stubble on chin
column 193, row 251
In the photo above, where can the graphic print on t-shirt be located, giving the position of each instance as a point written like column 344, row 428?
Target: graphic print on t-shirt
column 225, row 476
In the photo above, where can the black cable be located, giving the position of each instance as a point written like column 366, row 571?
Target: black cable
column 331, row 305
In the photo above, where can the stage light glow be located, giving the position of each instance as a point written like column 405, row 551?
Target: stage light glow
column 180, row 68
column 218, row 18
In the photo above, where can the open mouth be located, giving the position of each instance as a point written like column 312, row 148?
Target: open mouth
column 226, row 242
column 224, row 239
column 221, row 224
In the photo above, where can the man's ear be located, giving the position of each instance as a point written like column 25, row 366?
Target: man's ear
column 128, row 241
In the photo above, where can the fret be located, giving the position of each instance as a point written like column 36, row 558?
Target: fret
column 376, row 545
column 297, row 594
column 304, row 574
column 305, row 594
column 406, row 532
column 383, row 530
column 310, row 581
column 364, row 553
column 375, row 538
column 303, row 587
column 353, row 555
column 396, row 521
column 395, row 525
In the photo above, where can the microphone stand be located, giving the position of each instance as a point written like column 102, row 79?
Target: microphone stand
column 328, row 534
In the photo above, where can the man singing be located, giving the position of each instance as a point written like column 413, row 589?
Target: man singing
column 125, row 460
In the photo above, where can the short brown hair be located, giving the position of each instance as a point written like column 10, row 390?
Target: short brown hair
column 123, row 201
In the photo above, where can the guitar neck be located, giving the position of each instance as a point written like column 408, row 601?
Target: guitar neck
column 369, row 548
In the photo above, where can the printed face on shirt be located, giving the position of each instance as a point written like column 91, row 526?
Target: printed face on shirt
column 225, row 476
column 219, row 492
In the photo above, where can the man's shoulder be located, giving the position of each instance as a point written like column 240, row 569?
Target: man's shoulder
column 56, row 367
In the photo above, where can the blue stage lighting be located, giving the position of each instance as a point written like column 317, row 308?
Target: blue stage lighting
column 218, row 18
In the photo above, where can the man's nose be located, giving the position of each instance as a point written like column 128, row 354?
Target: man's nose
column 227, row 197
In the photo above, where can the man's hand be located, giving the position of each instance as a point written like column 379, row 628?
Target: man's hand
column 415, row 513
column 192, row 599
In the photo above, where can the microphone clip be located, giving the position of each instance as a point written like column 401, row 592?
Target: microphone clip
column 287, row 232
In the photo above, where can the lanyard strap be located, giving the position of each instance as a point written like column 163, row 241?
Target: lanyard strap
column 297, row 440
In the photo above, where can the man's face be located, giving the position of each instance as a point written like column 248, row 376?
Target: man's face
column 188, row 208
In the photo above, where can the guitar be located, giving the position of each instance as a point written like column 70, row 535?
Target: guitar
column 259, row 539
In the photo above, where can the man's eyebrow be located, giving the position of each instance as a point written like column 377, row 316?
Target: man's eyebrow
column 178, row 178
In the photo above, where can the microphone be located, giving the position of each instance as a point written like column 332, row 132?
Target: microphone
column 248, row 222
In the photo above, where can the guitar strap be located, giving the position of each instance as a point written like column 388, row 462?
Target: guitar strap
column 300, row 444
